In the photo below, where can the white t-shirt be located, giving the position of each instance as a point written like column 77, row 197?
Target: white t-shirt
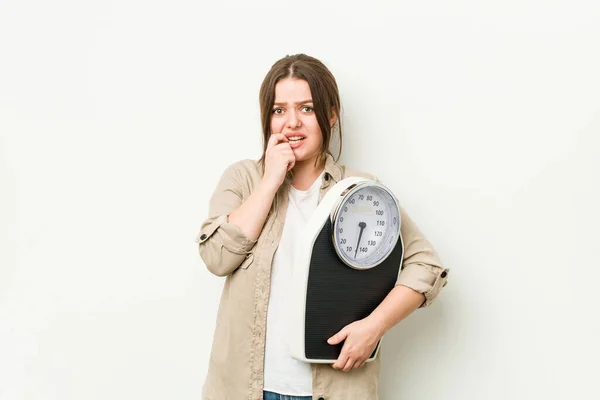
column 283, row 374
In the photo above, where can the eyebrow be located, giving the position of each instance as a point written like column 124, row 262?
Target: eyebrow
column 298, row 102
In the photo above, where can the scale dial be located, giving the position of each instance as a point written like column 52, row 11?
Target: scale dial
column 366, row 225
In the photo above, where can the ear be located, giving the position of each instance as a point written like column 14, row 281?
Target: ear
column 333, row 119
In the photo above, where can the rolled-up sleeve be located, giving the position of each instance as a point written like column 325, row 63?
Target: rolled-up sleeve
column 421, row 268
column 221, row 244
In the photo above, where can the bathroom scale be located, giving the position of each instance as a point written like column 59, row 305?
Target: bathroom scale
column 347, row 261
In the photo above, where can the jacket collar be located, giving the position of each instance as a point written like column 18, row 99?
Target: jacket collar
column 332, row 170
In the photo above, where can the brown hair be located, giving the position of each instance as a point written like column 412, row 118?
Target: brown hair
column 323, row 89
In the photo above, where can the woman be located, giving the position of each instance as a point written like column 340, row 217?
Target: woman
column 256, row 211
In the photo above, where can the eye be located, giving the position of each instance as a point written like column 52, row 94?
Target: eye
column 307, row 109
column 277, row 111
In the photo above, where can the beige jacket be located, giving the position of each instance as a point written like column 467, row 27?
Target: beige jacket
column 236, row 363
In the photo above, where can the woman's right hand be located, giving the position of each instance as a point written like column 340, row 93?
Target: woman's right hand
column 279, row 159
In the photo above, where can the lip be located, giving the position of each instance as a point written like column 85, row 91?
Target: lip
column 295, row 145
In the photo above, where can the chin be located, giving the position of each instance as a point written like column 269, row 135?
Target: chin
column 304, row 158
column 303, row 154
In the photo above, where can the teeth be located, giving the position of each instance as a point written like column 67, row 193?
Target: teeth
column 296, row 138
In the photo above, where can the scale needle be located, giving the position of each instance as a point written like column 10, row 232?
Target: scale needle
column 362, row 226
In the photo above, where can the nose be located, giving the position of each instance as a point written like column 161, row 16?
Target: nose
column 293, row 120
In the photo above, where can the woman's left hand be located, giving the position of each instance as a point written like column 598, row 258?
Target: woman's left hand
column 361, row 338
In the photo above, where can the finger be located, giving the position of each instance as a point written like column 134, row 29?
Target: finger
column 338, row 337
column 348, row 365
column 288, row 154
column 291, row 156
column 275, row 139
column 341, row 361
column 291, row 164
column 284, row 146
column 358, row 363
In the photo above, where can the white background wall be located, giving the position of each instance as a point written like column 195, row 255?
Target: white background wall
column 118, row 117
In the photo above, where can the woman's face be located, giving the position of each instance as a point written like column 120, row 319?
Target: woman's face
column 294, row 116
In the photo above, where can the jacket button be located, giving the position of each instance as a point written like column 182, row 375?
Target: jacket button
column 444, row 274
column 203, row 236
column 326, row 178
column 321, row 398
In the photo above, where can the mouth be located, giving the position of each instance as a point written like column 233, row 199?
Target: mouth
column 295, row 137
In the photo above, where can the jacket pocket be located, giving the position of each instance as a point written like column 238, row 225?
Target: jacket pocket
column 247, row 261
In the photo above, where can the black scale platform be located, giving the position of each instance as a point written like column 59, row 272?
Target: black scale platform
column 338, row 295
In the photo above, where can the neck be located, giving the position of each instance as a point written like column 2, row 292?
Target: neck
column 305, row 173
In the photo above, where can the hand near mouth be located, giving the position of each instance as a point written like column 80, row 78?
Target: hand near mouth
column 279, row 159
